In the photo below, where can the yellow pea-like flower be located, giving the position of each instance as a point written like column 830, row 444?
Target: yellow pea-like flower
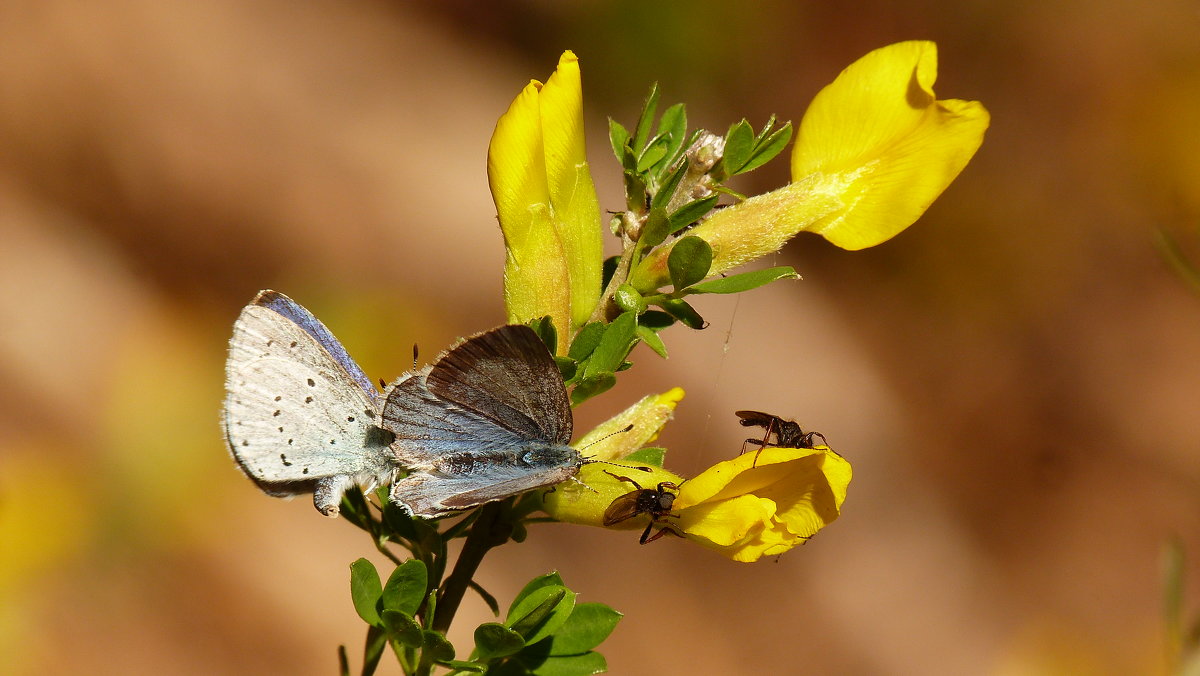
column 546, row 204
column 874, row 150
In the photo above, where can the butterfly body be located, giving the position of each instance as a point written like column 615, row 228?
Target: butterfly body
column 489, row 419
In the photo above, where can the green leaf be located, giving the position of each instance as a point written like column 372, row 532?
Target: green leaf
column 541, row 613
column 586, row 628
column 650, row 455
column 402, row 627
column 406, row 587
column 618, row 136
column 692, row 212
column 642, row 132
column 768, row 148
column 544, row 328
column 653, row 154
column 483, row 593
column 586, row 340
column 607, row 270
column 590, row 386
column 650, row 337
column 744, row 281
column 629, row 299
column 617, row 341
column 458, row 667
column 572, row 665
column 739, row 143
column 343, row 662
column 664, row 192
column 365, row 590
column 673, row 125
column 683, row 312
column 689, row 261
column 635, row 191
column 494, row 640
column 373, row 649
column 653, row 319
column 400, row 522
column 437, row 646
column 656, row 228
column 566, row 367
column 547, row 580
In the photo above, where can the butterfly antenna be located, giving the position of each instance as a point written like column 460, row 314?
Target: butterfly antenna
column 592, row 459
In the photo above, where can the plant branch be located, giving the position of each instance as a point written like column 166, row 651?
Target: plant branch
column 492, row 528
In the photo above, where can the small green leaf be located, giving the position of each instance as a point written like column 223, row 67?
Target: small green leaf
column 673, row 125
column 607, row 270
column 739, row 143
column 656, row 228
column 487, row 597
column 744, row 281
column 618, row 136
column 586, row 340
column 572, row 665
column 683, row 312
column 544, row 328
column 566, row 367
column 373, row 649
column 402, row 627
column 588, row 626
column 650, row 337
column 768, row 149
column 494, row 640
column 546, row 580
column 646, row 121
column 617, row 341
column 459, row 666
column 590, row 386
column 405, row 588
column 437, row 646
column 629, row 299
column 400, row 522
column 650, row 455
column 365, row 590
column 635, row 191
column 541, row 613
column 692, row 212
column 653, row 154
column 653, row 319
column 689, row 261
column 664, row 192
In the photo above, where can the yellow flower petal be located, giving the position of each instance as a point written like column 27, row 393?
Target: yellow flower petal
column 546, row 204
column 878, row 137
column 746, row 509
column 648, row 416
column 585, row 501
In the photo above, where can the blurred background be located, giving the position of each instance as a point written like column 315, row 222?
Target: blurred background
column 1015, row 377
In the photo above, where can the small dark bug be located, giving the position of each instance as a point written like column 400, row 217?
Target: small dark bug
column 787, row 433
column 653, row 501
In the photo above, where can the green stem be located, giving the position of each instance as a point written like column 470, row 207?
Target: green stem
column 603, row 311
column 491, row 529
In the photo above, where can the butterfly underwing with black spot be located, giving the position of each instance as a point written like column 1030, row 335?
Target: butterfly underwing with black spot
column 489, row 419
column 300, row 416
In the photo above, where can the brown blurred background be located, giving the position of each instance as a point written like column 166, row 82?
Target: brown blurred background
column 1014, row 378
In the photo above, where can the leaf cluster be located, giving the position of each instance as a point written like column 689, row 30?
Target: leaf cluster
column 673, row 179
column 544, row 631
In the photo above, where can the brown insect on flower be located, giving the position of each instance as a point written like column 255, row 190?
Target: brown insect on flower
column 653, row 501
column 788, row 434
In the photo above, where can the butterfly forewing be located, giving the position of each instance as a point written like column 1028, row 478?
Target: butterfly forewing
column 509, row 377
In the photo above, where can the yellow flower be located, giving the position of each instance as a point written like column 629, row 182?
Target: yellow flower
column 546, row 204
column 746, row 509
column 741, row 508
column 874, row 149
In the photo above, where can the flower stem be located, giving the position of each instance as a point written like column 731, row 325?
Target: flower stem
column 492, row 528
